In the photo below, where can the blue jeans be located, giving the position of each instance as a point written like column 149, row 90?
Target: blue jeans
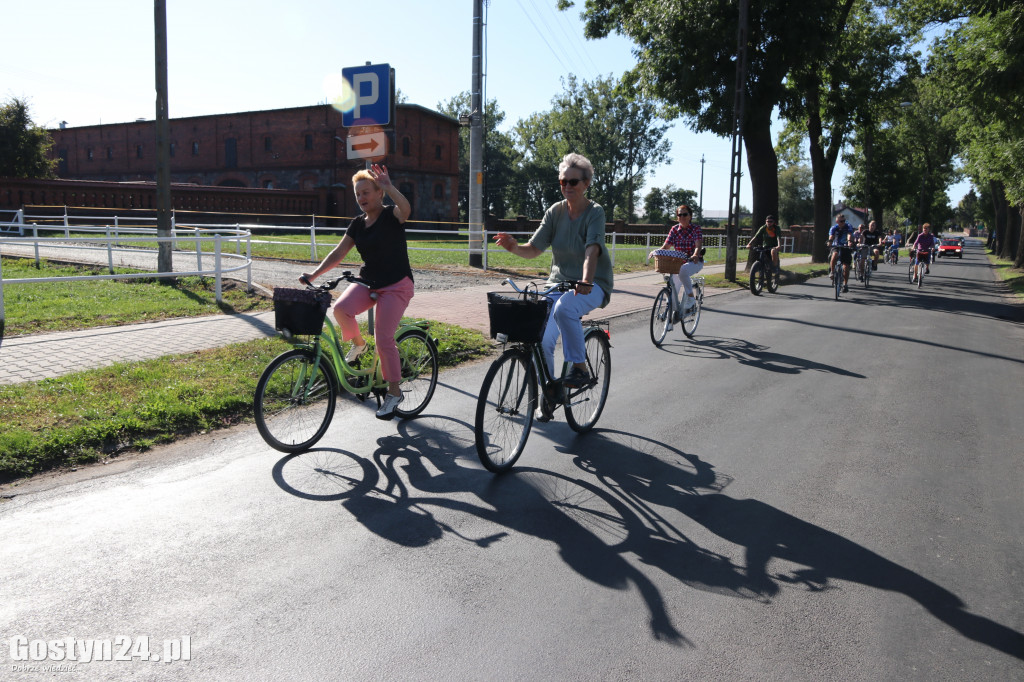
column 564, row 319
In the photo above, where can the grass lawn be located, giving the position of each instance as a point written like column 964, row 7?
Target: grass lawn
column 1013, row 277
column 63, row 306
column 88, row 416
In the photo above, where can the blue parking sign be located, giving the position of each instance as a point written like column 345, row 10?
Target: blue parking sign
column 371, row 95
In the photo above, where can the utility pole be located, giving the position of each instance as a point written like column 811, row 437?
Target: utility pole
column 476, row 143
column 700, row 200
column 163, row 153
column 739, row 111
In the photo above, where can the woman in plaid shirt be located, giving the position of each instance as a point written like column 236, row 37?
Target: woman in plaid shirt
column 686, row 238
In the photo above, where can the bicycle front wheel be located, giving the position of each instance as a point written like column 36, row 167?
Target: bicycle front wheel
column 419, row 371
column 756, row 279
column 504, row 410
column 867, row 273
column 583, row 406
column 294, row 402
column 661, row 316
column 692, row 316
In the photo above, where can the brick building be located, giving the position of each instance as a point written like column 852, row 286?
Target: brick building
column 297, row 149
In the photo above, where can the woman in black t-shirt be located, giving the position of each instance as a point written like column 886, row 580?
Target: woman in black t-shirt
column 379, row 237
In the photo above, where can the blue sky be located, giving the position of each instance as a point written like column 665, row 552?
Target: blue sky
column 87, row 63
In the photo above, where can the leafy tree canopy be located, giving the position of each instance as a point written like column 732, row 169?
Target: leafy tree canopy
column 24, row 146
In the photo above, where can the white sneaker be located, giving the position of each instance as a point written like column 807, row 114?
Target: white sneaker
column 691, row 303
column 354, row 352
column 387, row 408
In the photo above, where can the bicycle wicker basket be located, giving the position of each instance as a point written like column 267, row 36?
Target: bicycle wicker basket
column 668, row 261
column 521, row 318
column 300, row 311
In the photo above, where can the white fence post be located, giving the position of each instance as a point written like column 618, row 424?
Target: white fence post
column 21, row 222
column 199, row 250
column 484, row 234
column 110, row 252
column 35, row 234
column 248, row 260
column 67, row 232
column 2, row 314
column 216, row 265
column 312, row 240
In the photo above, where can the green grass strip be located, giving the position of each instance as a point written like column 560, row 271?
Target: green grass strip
column 36, row 307
column 88, row 416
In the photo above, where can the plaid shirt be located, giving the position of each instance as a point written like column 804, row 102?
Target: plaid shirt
column 684, row 239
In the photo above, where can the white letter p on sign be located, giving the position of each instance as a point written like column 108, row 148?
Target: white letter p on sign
column 365, row 99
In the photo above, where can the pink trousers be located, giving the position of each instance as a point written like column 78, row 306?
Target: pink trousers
column 391, row 303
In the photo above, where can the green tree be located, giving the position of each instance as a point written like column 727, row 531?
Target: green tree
column 836, row 91
column 660, row 204
column 498, row 156
column 622, row 135
column 685, row 53
column 537, row 153
column 796, row 196
column 24, row 146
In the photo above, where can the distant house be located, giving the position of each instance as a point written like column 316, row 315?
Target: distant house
column 854, row 216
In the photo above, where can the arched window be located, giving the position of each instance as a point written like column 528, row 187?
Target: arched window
column 405, row 146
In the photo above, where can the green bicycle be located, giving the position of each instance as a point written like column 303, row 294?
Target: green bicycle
column 296, row 394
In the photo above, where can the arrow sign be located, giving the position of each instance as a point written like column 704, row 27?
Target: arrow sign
column 373, row 146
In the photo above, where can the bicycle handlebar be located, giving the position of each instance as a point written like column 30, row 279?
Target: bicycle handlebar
column 566, row 285
column 346, row 276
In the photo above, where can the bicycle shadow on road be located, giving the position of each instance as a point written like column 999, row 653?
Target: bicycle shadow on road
column 755, row 355
column 426, row 476
column 647, row 475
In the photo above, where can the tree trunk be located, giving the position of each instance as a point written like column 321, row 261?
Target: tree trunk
column 821, row 173
column 1018, row 262
column 763, row 166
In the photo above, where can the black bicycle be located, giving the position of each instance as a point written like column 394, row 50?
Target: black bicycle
column 762, row 272
column 508, row 398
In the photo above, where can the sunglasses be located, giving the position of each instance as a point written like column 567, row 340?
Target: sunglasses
column 682, row 215
column 572, row 182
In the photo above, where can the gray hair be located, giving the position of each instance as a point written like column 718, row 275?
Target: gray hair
column 577, row 161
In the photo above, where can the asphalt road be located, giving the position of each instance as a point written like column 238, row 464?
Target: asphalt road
column 808, row 490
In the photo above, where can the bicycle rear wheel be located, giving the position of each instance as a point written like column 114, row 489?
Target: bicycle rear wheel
column 661, row 316
column 504, row 410
column 419, row 371
column 757, row 276
column 583, row 406
column 294, row 401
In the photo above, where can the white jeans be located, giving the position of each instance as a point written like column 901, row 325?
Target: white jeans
column 564, row 319
column 686, row 271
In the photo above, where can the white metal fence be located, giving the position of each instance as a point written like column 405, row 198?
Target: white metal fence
column 32, row 241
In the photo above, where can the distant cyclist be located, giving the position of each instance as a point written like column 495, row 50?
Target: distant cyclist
column 892, row 242
column 768, row 236
column 923, row 246
column 839, row 237
column 873, row 239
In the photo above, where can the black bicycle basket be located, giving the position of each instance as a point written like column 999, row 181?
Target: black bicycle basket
column 300, row 311
column 521, row 317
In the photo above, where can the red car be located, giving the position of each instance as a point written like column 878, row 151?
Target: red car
column 950, row 248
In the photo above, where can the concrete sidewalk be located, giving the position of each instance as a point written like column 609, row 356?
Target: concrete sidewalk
column 41, row 356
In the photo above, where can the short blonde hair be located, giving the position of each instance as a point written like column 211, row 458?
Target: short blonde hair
column 363, row 175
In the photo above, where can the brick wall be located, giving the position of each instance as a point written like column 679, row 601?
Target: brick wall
column 290, row 149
